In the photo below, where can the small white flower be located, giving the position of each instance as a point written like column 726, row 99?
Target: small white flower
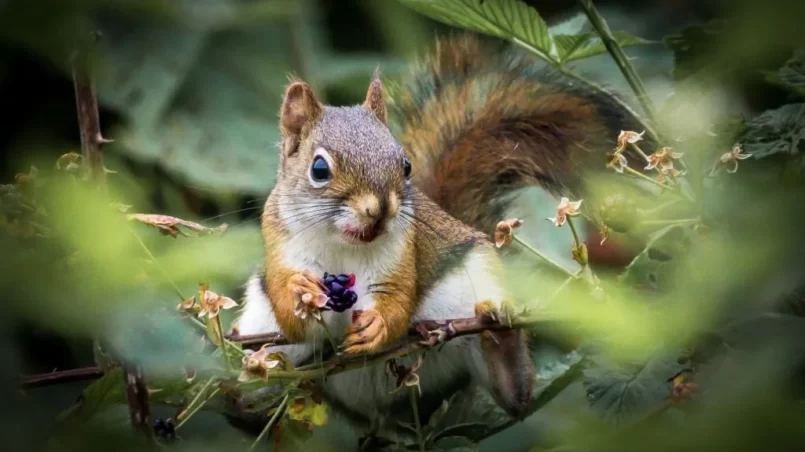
column 566, row 208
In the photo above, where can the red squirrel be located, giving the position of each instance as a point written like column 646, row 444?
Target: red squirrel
column 411, row 217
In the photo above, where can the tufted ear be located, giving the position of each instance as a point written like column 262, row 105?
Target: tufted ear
column 375, row 99
column 300, row 108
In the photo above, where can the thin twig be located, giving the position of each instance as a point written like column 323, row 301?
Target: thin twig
column 417, row 424
column 274, row 418
column 618, row 55
column 61, row 376
column 198, row 408
column 181, row 416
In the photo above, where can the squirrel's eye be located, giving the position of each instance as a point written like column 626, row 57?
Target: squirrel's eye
column 406, row 168
column 320, row 170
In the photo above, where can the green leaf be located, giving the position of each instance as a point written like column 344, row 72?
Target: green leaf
column 776, row 131
column 653, row 267
column 792, row 75
column 693, row 49
column 585, row 45
column 624, row 390
column 103, row 392
column 508, row 19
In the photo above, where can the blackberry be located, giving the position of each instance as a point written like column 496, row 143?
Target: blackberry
column 164, row 429
column 341, row 297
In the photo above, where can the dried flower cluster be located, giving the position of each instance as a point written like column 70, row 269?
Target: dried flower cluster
column 504, row 232
column 406, row 376
column 211, row 303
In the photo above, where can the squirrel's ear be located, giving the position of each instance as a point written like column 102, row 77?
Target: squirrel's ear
column 375, row 99
column 299, row 108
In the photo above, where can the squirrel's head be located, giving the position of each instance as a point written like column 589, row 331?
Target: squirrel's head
column 340, row 167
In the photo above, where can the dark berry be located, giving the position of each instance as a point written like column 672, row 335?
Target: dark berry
column 164, row 429
column 340, row 297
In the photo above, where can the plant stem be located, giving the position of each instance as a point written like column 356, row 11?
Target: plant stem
column 618, row 55
column 666, row 187
column 327, row 333
column 220, row 329
column 198, row 408
column 567, row 282
column 639, row 151
column 667, row 222
column 277, row 413
column 626, row 107
column 137, row 399
column 555, row 265
column 176, row 288
column 576, row 241
column 417, row 424
column 181, row 416
column 89, row 123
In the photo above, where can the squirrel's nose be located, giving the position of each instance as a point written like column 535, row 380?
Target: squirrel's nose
column 369, row 205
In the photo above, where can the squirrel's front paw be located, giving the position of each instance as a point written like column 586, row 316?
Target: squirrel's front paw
column 307, row 289
column 366, row 334
column 505, row 314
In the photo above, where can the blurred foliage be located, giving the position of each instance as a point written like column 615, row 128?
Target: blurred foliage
column 715, row 297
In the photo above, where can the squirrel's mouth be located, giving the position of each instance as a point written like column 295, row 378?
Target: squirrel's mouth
column 364, row 234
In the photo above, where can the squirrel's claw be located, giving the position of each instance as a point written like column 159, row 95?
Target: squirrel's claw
column 367, row 334
column 307, row 283
column 505, row 314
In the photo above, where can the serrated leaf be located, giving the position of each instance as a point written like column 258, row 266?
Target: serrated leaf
column 792, row 75
column 623, row 390
column 585, row 45
column 776, row 131
column 513, row 20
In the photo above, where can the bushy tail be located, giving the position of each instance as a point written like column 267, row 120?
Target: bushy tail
column 481, row 118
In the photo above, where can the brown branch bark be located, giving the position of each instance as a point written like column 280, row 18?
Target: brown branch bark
column 62, row 376
column 137, row 397
column 89, row 125
column 442, row 330
column 421, row 335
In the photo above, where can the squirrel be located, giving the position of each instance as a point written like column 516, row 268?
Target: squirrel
column 411, row 217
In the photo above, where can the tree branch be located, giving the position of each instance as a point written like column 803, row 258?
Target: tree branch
column 89, row 124
column 137, row 397
column 62, row 376
column 425, row 329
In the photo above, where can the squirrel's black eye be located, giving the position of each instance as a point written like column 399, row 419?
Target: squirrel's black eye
column 320, row 170
column 406, row 168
